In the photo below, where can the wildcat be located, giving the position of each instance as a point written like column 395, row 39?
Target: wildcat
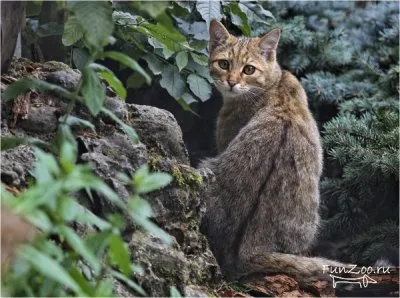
column 262, row 206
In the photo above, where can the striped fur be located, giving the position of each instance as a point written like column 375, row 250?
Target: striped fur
column 263, row 205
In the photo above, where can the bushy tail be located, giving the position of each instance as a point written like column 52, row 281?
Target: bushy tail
column 303, row 269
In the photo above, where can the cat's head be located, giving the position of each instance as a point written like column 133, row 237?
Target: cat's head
column 243, row 67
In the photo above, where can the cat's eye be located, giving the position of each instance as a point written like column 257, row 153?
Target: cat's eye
column 224, row 64
column 249, row 69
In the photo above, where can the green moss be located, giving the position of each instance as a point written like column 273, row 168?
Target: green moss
column 154, row 161
column 54, row 66
column 189, row 181
column 178, row 176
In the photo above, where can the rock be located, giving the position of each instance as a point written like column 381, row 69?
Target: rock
column 67, row 79
column 41, row 119
column 16, row 164
column 159, row 131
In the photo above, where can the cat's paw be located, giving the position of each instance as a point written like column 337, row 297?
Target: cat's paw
column 207, row 174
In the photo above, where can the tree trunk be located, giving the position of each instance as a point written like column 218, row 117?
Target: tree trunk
column 12, row 14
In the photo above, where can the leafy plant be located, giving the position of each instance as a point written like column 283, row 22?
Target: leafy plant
column 62, row 261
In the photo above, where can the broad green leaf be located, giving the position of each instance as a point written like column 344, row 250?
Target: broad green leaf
column 200, row 87
column 92, row 90
column 50, row 268
column 11, row 142
column 113, row 81
column 155, row 64
column 95, row 18
column 80, row 57
column 239, row 18
column 128, row 281
column 79, row 246
column 172, row 81
column 173, row 292
column 181, row 60
column 154, row 9
column 98, row 242
column 67, row 208
column 75, row 121
column 200, row 59
column 46, row 166
column 130, row 132
column 128, row 61
column 188, row 98
column 87, row 217
column 25, row 84
column 172, row 39
column 119, row 254
column 104, row 288
column 36, row 196
column 200, row 70
column 140, row 207
column 209, row 10
column 40, row 219
column 81, row 281
column 152, row 182
column 73, row 31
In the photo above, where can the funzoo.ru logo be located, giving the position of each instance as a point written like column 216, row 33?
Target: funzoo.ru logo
column 353, row 269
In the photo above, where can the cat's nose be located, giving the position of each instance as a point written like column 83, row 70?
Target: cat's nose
column 231, row 83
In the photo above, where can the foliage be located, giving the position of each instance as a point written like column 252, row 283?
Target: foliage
column 63, row 261
column 347, row 56
column 168, row 38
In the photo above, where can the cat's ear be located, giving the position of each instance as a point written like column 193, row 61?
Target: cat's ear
column 269, row 42
column 218, row 34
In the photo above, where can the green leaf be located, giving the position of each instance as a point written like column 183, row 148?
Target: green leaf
column 140, row 207
column 73, row 31
column 181, row 60
column 200, row 59
column 49, row 268
column 119, row 254
column 172, row 81
column 87, row 217
column 155, row 64
column 152, row 182
column 75, row 121
column 92, row 91
column 129, row 282
column 79, row 246
column 167, row 36
column 209, row 10
column 239, row 18
column 98, row 242
column 80, row 57
column 95, row 19
column 40, row 219
column 25, row 84
column 200, row 87
column 173, row 292
column 145, row 182
column 128, row 61
column 154, row 9
column 112, row 80
column 83, row 283
column 130, row 132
